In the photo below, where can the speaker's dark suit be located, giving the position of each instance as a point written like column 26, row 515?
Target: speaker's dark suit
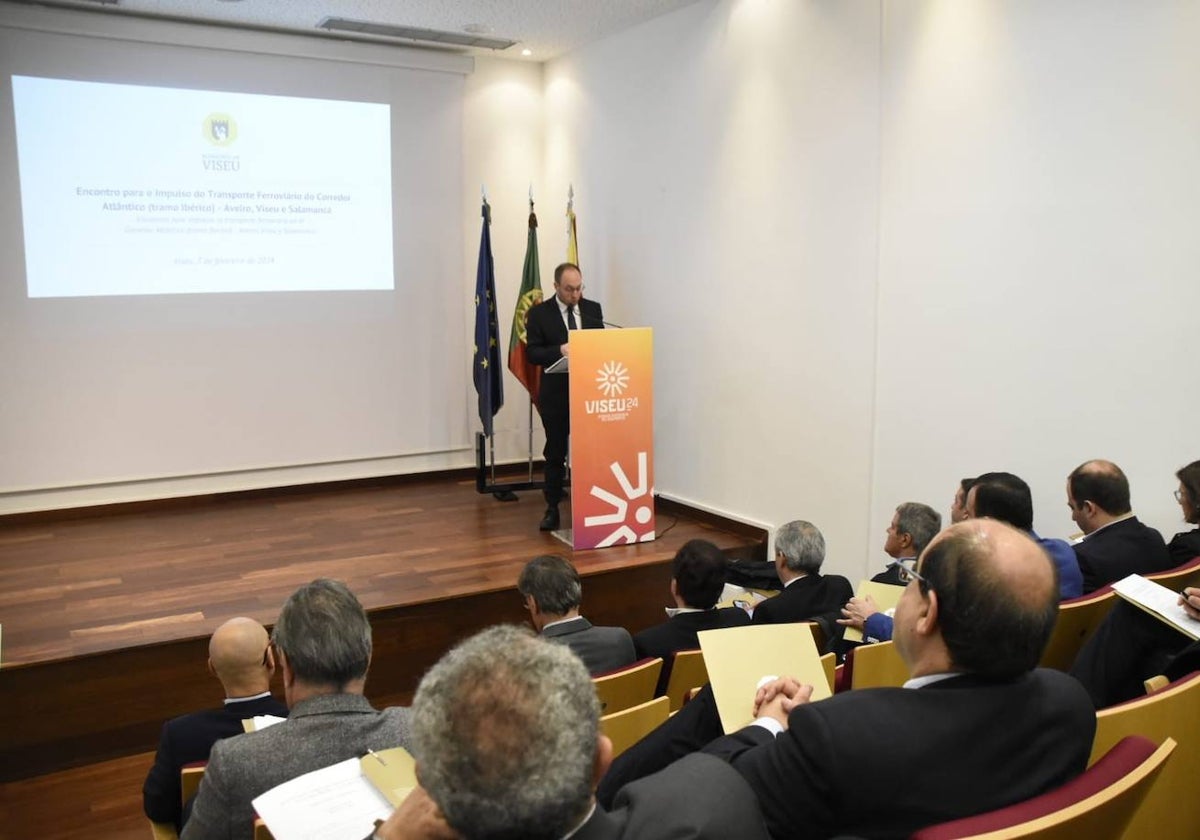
column 601, row 648
column 1123, row 548
column 679, row 633
column 884, row 762
column 545, row 333
column 697, row 798
column 806, row 599
column 190, row 738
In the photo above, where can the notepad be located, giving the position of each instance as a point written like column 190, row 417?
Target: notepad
column 737, row 658
column 886, row 597
column 1160, row 602
column 339, row 802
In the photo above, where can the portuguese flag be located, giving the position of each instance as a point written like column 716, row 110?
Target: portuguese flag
column 529, row 296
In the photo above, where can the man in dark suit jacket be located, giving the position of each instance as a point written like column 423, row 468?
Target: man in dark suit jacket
column 976, row 728
column 553, row 594
column 697, row 578
column 546, row 329
column 990, row 729
column 323, row 643
column 506, row 735
column 1116, row 543
column 239, row 655
column 806, row 595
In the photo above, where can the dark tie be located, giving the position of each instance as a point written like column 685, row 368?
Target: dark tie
column 571, row 325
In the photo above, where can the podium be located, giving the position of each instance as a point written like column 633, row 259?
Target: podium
column 612, row 437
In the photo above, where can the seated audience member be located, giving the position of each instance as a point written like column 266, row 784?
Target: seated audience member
column 1115, row 544
column 1004, row 496
column 697, row 578
column 913, row 526
column 1186, row 545
column 322, row 644
column 553, row 593
column 507, row 742
column 239, row 655
column 971, row 627
column 807, row 594
column 993, row 729
column 1129, row 647
column 958, row 508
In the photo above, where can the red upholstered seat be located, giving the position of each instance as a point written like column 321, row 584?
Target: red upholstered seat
column 1107, row 794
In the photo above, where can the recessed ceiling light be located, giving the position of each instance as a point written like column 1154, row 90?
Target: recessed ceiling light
column 527, row 52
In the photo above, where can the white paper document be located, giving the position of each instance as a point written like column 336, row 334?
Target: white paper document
column 1161, row 602
column 263, row 721
column 335, row 803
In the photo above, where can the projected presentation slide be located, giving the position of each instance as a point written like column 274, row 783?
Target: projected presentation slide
column 132, row 190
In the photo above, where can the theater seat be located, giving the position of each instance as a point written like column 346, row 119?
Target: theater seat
column 1097, row 805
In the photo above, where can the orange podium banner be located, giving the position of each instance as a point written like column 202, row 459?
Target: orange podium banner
column 612, row 436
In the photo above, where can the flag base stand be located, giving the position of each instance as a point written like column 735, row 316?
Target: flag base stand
column 485, row 474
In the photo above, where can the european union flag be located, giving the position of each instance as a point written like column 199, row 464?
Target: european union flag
column 486, row 366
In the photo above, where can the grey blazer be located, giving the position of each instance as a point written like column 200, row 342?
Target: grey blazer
column 320, row 731
column 601, row 648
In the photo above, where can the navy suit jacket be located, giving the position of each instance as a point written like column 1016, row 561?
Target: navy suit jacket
column 1120, row 549
column 190, row 738
column 884, row 762
column 679, row 633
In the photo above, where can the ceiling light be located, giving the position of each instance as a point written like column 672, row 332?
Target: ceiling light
column 527, row 52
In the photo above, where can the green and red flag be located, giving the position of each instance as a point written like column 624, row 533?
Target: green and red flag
column 529, row 296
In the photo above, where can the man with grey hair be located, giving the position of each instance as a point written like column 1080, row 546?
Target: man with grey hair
column 913, row 527
column 807, row 594
column 553, row 593
column 322, row 643
column 507, row 742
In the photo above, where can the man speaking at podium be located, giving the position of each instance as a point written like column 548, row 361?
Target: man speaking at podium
column 546, row 329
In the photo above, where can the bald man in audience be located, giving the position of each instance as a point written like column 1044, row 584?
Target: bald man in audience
column 239, row 655
column 322, row 642
column 981, row 723
column 1115, row 544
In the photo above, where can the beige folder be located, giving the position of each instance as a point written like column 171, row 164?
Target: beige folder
column 886, row 597
column 737, row 658
column 393, row 772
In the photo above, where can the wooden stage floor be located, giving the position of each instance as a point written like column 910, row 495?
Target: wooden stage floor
column 106, row 617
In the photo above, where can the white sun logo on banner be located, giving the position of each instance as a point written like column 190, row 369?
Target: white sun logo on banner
column 639, row 497
column 613, row 379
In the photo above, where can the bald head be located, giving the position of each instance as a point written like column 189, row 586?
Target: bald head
column 997, row 597
column 1098, row 489
column 237, row 654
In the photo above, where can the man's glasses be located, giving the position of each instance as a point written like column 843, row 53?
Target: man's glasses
column 908, row 574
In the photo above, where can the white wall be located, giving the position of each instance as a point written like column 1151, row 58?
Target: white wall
column 725, row 160
column 1041, row 184
column 502, row 150
column 888, row 245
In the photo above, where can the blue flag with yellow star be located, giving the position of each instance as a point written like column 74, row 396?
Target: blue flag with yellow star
column 486, row 366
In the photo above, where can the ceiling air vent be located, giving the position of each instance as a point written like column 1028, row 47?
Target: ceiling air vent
column 411, row 33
